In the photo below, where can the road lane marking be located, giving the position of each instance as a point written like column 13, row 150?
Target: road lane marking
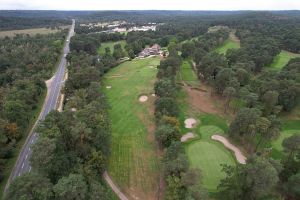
column 26, row 156
column 29, row 168
column 22, row 165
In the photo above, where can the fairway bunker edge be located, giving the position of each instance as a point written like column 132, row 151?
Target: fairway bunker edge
column 143, row 98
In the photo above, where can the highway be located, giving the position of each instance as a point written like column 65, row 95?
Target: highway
column 22, row 165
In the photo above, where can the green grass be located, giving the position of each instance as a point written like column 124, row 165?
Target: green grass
column 228, row 44
column 187, row 73
column 282, row 59
column 289, row 128
column 32, row 31
column 133, row 164
column 111, row 45
column 208, row 156
column 277, row 144
column 212, row 119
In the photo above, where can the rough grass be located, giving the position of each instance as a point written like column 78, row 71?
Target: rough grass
column 32, row 31
column 133, row 164
column 187, row 73
column 228, row 44
column 282, row 59
column 289, row 128
column 208, row 156
column 111, row 45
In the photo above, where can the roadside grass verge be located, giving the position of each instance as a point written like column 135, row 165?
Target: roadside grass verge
column 110, row 45
column 133, row 164
column 282, row 59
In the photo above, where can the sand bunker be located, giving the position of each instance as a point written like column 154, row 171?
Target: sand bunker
column 108, row 87
column 143, row 98
column 190, row 122
column 187, row 136
column 153, row 95
column 238, row 154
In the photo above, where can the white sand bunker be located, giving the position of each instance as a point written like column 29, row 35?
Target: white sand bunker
column 143, row 98
column 190, row 122
column 238, row 154
column 108, row 87
column 187, row 136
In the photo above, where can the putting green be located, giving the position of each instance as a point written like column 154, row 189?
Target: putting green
column 209, row 130
column 208, row 157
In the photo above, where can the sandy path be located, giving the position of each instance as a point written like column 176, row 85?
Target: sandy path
column 238, row 154
column 115, row 188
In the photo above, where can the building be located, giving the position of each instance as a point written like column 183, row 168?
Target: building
column 153, row 50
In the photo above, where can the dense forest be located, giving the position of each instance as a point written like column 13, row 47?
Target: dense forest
column 25, row 63
column 73, row 148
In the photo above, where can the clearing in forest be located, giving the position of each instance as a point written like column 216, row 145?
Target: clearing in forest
column 282, row 59
column 133, row 163
column 31, row 31
column 231, row 43
column 111, row 45
column 195, row 101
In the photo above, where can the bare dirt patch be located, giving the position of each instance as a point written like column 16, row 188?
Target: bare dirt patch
column 189, row 123
column 143, row 98
column 187, row 136
column 237, row 152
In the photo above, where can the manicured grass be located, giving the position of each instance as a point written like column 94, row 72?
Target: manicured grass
column 32, row 31
column 208, row 157
column 228, row 44
column 133, row 163
column 212, row 119
column 187, row 73
column 111, row 45
column 282, row 59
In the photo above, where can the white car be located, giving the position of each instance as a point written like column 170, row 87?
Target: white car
column 68, row 40
column 65, row 55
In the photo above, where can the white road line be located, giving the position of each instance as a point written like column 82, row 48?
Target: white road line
column 23, row 165
column 29, row 168
column 26, row 156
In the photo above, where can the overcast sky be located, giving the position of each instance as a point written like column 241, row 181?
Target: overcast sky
column 150, row 4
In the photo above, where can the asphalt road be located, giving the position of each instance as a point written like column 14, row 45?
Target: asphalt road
column 23, row 163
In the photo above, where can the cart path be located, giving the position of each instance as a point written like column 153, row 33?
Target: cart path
column 115, row 188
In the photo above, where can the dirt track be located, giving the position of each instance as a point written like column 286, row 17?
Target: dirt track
column 238, row 154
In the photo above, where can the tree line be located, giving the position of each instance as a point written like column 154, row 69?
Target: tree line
column 25, row 62
column 72, row 150
column 181, row 181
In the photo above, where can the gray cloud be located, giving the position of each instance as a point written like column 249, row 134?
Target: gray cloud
column 152, row 4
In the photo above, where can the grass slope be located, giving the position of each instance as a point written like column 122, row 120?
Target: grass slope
column 228, row 44
column 282, row 59
column 133, row 164
column 111, row 45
